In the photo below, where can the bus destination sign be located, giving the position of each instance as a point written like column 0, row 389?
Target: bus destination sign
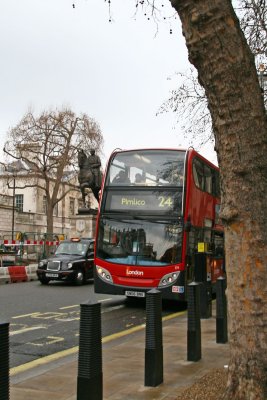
column 163, row 202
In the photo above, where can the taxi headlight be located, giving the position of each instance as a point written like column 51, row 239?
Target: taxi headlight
column 104, row 274
column 69, row 265
column 168, row 279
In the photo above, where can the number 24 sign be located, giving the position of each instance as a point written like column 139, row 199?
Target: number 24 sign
column 165, row 201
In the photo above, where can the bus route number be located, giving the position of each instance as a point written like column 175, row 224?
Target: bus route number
column 165, row 201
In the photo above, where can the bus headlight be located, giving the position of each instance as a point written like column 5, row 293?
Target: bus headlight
column 104, row 274
column 168, row 279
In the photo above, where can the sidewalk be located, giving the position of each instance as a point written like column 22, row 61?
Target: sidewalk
column 123, row 367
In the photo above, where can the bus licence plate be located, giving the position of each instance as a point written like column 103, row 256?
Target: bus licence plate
column 131, row 293
column 52, row 275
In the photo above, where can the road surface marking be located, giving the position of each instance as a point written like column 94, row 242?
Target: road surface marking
column 78, row 305
column 51, row 340
column 65, row 308
column 48, row 315
column 25, row 315
column 106, row 310
column 102, row 300
column 23, row 330
column 39, row 314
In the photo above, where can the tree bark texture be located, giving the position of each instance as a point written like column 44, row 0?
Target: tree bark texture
column 226, row 70
column 50, row 221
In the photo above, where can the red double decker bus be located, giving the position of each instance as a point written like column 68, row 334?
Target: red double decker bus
column 159, row 208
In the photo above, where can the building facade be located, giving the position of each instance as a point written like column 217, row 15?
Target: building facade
column 23, row 209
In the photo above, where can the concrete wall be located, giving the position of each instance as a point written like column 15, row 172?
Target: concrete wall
column 6, row 211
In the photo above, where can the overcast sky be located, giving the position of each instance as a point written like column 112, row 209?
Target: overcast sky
column 117, row 72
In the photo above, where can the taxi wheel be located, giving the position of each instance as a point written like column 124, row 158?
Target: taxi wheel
column 79, row 280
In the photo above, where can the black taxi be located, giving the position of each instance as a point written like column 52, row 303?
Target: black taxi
column 72, row 261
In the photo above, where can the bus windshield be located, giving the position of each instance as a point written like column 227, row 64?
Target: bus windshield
column 140, row 240
column 147, row 167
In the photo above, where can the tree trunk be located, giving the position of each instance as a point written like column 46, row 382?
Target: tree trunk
column 226, row 69
column 50, row 224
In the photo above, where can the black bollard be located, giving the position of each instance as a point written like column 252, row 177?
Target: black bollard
column 4, row 361
column 200, row 262
column 193, row 322
column 154, row 348
column 90, row 375
column 221, row 311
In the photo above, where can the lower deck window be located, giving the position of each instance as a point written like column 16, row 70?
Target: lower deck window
column 140, row 242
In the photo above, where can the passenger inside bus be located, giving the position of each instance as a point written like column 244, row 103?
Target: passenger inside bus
column 139, row 179
column 121, row 177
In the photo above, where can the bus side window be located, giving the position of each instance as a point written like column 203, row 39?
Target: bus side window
column 218, row 243
column 208, row 179
column 198, row 173
column 207, row 237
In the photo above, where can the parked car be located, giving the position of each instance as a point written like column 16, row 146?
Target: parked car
column 72, row 261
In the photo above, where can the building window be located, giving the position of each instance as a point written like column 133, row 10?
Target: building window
column 19, row 202
column 44, row 207
column 72, row 206
column 55, row 210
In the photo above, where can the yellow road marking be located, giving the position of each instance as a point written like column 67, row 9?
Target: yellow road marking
column 78, row 305
column 27, row 330
column 70, row 316
column 102, row 301
column 65, row 308
column 25, row 315
column 42, row 361
column 48, row 315
column 38, row 314
column 64, row 353
column 53, row 339
column 174, row 315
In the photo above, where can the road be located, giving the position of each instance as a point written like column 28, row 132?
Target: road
column 45, row 319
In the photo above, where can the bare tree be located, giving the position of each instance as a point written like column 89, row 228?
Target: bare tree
column 226, row 70
column 47, row 147
column 188, row 100
column 190, row 105
column 253, row 21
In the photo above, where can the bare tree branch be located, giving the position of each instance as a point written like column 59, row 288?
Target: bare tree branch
column 46, row 148
column 188, row 101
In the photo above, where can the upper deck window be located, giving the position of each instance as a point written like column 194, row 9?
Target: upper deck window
column 147, row 168
column 206, row 178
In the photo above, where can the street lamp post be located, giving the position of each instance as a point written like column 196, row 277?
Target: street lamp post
column 13, row 207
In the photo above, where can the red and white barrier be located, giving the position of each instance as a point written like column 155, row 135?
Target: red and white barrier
column 7, row 242
column 4, row 275
column 21, row 273
column 31, row 272
column 18, row 273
